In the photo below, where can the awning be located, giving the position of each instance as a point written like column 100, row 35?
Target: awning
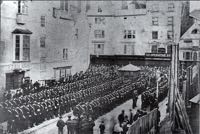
column 21, row 31
column 129, row 68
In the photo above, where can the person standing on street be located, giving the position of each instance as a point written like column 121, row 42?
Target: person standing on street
column 60, row 125
column 102, row 127
column 121, row 117
column 70, row 129
column 117, row 128
column 130, row 116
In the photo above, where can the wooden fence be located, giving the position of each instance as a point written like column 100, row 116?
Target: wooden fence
column 145, row 125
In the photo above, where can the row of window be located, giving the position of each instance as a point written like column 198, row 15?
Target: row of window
column 156, row 49
column 23, row 7
column 155, row 20
column 129, row 49
column 99, row 49
column 170, row 35
column 22, row 47
column 141, row 5
column 64, row 5
column 130, row 34
column 170, row 7
column 170, row 21
column 190, row 56
column 155, row 7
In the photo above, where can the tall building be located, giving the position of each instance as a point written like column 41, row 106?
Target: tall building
column 135, row 27
column 42, row 40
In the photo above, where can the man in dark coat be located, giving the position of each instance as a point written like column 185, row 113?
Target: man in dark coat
column 70, row 126
column 60, row 124
column 87, row 126
column 131, row 117
column 136, row 116
column 102, row 127
column 121, row 117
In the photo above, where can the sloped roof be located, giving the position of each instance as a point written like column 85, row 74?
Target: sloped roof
column 188, row 34
column 196, row 99
column 195, row 14
column 129, row 67
column 21, row 31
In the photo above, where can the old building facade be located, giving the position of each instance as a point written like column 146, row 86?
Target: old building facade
column 52, row 42
column 135, row 27
column 42, row 43
column 190, row 41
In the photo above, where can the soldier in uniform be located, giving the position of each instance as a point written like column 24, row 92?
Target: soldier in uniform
column 87, row 125
column 10, row 120
column 26, row 113
column 134, row 99
column 102, row 127
column 60, row 124
column 16, row 121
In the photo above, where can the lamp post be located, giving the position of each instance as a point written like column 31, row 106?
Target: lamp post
column 198, row 69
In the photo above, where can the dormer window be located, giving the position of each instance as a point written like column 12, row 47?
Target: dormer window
column 195, row 31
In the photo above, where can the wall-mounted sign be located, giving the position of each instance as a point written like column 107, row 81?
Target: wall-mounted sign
column 158, row 55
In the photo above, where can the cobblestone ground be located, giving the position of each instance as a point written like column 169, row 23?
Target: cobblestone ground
column 49, row 127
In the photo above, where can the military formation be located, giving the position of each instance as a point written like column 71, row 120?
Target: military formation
column 89, row 94
column 29, row 110
column 149, row 98
column 120, row 91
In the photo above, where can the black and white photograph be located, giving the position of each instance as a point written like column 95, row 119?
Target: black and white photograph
column 99, row 67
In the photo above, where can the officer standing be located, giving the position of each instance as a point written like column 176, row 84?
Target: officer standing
column 60, row 124
column 69, row 125
column 102, row 127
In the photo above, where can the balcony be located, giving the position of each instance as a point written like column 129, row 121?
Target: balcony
column 20, row 19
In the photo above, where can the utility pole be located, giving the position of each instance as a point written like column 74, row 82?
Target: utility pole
column 173, row 77
column 0, row 19
column 198, row 66
column 173, row 81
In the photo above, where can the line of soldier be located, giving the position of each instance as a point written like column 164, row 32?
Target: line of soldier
column 42, row 106
column 54, row 92
column 104, row 104
column 36, row 111
column 149, row 97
